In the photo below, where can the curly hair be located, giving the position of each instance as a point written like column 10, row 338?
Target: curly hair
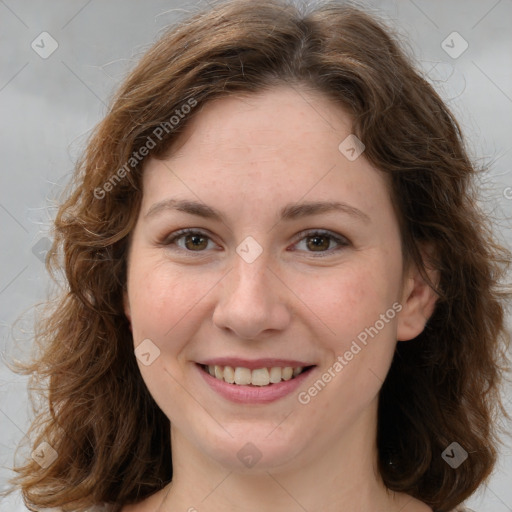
column 112, row 440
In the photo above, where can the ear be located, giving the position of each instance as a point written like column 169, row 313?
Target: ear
column 126, row 307
column 418, row 300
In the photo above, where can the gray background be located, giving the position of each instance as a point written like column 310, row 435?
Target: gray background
column 49, row 105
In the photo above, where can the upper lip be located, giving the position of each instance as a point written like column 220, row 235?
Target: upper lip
column 253, row 364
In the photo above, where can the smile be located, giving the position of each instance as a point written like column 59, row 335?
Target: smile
column 259, row 385
column 258, row 377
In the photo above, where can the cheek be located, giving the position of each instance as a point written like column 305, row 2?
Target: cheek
column 160, row 296
column 164, row 300
column 359, row 307
column 349, row 300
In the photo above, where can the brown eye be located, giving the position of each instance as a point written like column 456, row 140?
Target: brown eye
column 193, row 242
column 323, row 243
column 189, row 240
column 318, row 242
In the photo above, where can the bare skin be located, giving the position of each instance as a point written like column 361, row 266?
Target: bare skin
column 249, row 157
column 155, row 503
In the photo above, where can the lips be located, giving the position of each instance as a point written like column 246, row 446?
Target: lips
column 254, row 381
column 253, row 364
column 260, row 372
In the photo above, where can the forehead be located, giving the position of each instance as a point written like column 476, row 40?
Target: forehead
column 274, row 121
column 276, row 146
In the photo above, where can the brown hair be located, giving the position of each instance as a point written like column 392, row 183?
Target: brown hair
column 111, row 438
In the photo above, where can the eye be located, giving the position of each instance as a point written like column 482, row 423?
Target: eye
column 316, row 241
column 193, row 240
column 319, row 241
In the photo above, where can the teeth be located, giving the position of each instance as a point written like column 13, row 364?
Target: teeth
column 287, row 373
column 259, row 377
column 218, row 372
column 275, row 375
column 229, row 374
column 242, row 376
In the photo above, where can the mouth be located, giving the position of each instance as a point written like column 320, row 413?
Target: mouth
column 256, row 377
column 264, row 383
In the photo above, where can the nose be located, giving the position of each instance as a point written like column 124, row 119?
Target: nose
column 252, row 300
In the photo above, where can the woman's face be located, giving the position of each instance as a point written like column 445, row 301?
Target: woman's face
column 273, row 276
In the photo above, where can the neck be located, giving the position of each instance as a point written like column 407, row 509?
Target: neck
column 342, row 476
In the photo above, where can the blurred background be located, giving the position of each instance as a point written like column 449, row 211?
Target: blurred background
column 60, row 63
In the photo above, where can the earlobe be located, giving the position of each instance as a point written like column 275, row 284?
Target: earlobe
column 418, row 303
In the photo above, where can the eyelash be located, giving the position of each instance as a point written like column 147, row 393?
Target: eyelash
column 342, row 241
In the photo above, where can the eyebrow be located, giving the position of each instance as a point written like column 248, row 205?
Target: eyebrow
column 290, row 212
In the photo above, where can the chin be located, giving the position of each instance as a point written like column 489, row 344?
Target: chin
column 254, row 450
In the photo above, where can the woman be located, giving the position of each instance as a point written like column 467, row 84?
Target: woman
column 206, row 356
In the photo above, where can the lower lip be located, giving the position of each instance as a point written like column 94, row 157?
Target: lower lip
column 254, row 394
